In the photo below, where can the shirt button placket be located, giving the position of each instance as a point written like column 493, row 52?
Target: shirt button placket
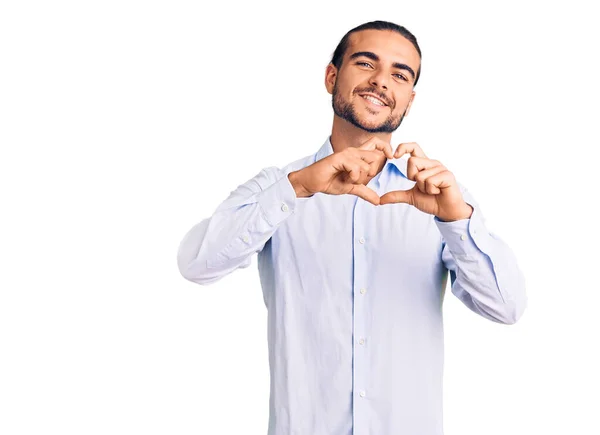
column 360, row 368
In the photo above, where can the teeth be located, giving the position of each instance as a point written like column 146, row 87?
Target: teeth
column 373, row 100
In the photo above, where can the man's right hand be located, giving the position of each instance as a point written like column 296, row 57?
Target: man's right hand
column 347, row 171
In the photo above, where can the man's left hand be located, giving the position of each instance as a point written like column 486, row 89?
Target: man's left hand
column 436, row 191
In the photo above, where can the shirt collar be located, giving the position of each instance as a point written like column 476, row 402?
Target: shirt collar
column 400, row 163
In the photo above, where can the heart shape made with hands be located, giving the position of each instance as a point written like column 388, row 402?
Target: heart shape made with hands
column 436, row 191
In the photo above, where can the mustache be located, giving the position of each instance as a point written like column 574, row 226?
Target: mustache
column 374, row 91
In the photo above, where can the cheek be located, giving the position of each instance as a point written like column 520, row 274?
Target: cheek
column 402, row 101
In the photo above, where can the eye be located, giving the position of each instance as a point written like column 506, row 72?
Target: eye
column 364, row 63
column 401, row 77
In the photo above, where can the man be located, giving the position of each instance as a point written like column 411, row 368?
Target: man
column 354, row 246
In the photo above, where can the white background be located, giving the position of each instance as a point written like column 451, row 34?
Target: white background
column 124, row 123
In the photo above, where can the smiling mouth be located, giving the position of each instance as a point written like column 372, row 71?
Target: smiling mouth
column 376, row 101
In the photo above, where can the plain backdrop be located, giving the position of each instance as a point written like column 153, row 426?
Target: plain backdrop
column 124, row 123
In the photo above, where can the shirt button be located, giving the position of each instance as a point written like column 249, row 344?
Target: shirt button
column 463, row 237
column 363, row 291
column 284, row 207
column 362, row 393
column 361, row 240
column 245, row 239
column 361, row 341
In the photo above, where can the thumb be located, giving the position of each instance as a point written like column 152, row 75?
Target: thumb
column 365, row 193
column 397, row 196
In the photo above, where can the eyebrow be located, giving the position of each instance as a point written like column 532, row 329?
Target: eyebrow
column 375, row 58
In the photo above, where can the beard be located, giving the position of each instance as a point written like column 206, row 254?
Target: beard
column 345, row 110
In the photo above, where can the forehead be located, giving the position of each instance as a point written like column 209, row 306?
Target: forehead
column 390, row 46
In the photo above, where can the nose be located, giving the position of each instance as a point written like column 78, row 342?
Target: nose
column 379, row 79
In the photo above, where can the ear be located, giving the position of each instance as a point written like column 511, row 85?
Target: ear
column 330, row 77
column 412, row 97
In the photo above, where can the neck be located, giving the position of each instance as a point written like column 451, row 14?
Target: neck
column 344, row 135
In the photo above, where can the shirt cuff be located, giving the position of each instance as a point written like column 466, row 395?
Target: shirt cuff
column 463, row 236
column 278, row 201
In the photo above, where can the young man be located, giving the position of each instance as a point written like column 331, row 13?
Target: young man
column 354, row 246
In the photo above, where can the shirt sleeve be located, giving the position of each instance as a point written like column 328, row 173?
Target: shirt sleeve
column 239, row 228
column 484, row 272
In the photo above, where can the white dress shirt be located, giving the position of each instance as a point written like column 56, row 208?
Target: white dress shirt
column 354, row 294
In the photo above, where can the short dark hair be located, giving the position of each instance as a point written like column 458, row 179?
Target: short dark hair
column 340, row 50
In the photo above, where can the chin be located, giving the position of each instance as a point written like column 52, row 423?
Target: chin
column 369, row 123
column 371, row 128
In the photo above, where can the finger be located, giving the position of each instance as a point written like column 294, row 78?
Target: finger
column 368, row 167
column 365, row 193
column 356, row 168
column 377, row 144
column 368, row 156
column 351, row 156
column 435, row 184
column 372, row 158
column 373, row 167
column 365, row 176
column 397, row 196
column 417, row 164
column 353, row 170
column 412, row 148
column 424, row 175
